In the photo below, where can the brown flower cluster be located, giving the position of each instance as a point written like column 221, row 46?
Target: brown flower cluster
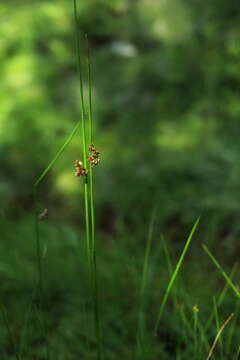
column 79, row 169
column 94, row 158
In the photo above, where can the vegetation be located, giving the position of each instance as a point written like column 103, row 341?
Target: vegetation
column 112, row 263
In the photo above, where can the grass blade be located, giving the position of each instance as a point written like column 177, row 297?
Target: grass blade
column 220, row 298
column 218, row 324
column 218, row 336
column 141, row 322
column 58, row 154
column 224, row 274
column 238, row 354
column 174, row 275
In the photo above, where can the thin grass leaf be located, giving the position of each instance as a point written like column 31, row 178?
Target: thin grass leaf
column 195, row 331
column 56, row 157
column 238, row 354
column 232, row 328
column 218, row 325
column 224, row 274
column 174, row 275
column 220, row 298
column 147, row 255
column 141, row 318
column 169, row 265
column 218, row 336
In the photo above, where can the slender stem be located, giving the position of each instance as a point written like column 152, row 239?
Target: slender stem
column 92, row 211
column 40, row 270
column 38, row 244
column 143, row 285
column 195, row 325
column 90, row 122
column 217, row 324
column 90, row 116
column 84, row 136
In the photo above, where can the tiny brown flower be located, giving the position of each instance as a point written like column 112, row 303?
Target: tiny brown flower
column 43, row 215
column 94, row 158
column 79, row 169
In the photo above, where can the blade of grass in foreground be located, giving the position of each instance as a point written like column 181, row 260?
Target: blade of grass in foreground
column 57, row 155
column 232, row 329
column 218, row 325
column 147, row 256
column 141, row 320
column 220, row 298
column 174, row 275
column 218, row 336
column 224, row 274
column 169, row 265
column 238, row 354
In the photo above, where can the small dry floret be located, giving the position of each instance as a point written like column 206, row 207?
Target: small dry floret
column 92, row 148
column 94, row 158
column 79, row 169
column 43, row 215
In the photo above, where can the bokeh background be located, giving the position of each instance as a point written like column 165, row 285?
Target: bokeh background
column 166, row 80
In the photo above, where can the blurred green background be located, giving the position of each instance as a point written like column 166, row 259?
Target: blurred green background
column 166, row 80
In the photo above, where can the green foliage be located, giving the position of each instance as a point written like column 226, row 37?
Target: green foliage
column 166, row 114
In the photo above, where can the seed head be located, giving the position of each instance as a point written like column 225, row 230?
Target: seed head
column 79, row 169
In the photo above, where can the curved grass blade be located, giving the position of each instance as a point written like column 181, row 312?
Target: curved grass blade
column 174, row 275
column 218, row 336
column 224, row 274
column 58, row 154
column 220, row 298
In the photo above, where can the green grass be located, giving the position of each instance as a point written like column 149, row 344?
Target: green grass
column 174, row 275
column 69, row 312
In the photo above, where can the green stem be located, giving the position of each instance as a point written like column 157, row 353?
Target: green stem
column 38, row 244
column 39, row 267
column 92, row 212
column 84, row 137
